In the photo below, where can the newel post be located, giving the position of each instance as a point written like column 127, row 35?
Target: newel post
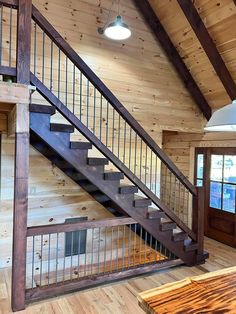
column 198, row 218
column 21, row 159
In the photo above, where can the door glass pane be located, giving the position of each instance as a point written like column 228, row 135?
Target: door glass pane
column 200, row 166
column 216, row 167
column 230, row 169
column 199, row 182
column 229, row 198
column 215, row 195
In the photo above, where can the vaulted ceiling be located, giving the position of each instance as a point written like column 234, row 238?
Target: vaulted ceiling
column 207, row 62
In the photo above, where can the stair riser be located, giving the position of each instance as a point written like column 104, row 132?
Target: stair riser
column 113, row 176
column 129, row 190
column 142, row 203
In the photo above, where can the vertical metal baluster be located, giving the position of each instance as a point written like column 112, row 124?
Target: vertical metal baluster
column 130, row 146
column 141, row 159
column 41, row 259
column 145, row 179
column 99, row 239
column 123, row 248
column 129, row 242
column 113, row 129
column 124, row 142
column 175, row 196
column 135, row 153
column 87, row 123
column 150, row 176
column 156, row 252
column 51, row 66
column 151, row 250
column 100, row 135
column 156, row 176
column 79, row 240
column 94, row 112
column 10, row 39
column 117, row 246
column 135, row 235
column 105, row 251
column 145, row 246
column 179, row 202
column 71, row 254
column 165, row 185
column 1, row 16
column 59, row 73
column 91, row 272
column 64, row 261
column 43, row 48
column 85, row 262
column 140, row 245
column 170, row 196
column 81, row 93
column 73, row 90
column 49, row 257
column 35, row 47
column 57, row 258
column 66, row 81
column 118, row 148
column 32, row 279
column 111, row 250
column 107, row 124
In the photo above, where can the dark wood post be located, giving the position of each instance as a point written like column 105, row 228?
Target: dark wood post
column 21, row 160
column 198, row 218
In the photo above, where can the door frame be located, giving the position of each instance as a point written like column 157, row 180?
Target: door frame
column 207, row 152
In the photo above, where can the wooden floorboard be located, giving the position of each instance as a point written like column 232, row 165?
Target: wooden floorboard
column 119, row 297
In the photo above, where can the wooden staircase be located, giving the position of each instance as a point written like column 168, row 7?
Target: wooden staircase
column 53, row 141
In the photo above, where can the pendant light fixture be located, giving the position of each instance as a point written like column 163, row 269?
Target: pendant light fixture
column 223, row 120
column 116, row 30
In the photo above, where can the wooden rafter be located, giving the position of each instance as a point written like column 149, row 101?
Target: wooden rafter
column 208, row 45
column 173, row 55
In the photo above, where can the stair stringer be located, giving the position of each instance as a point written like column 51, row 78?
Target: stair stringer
column 40, row 125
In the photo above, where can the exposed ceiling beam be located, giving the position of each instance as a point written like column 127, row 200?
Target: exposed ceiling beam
column 209, row 47
column 173, row 55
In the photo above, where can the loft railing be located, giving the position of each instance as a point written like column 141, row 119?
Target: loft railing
column 68, row 256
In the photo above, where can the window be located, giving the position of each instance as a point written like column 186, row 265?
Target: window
column 223, row 182
column 199, row 169
column 75, row 242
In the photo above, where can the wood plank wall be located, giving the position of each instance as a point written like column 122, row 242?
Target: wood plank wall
column 138, row 73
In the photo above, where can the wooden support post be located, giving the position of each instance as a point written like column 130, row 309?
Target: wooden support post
column 23, row 41
column 21, row 159
column 198, row 218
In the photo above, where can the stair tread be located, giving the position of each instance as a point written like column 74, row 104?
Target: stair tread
column 190, row 246
column 180, row 236
column 45, row 109
column 167, row 225
column 80, row 145
column 60, row 127
column 128, row 189
column 155, row 214
column 113, row 175
column 142, row 201
column 97, row 161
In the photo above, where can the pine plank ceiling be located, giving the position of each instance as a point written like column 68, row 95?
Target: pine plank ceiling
column 219, row 18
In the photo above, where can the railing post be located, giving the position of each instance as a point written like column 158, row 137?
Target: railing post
column 21, row 160
column 198, row 218
column 23, row 41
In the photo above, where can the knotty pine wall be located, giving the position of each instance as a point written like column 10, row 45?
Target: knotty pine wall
column 138, row 73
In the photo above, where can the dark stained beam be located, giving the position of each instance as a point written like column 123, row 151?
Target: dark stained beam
column 208, row 45
column 173, row 55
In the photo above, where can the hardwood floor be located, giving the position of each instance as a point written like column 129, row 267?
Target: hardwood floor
column 119, row 297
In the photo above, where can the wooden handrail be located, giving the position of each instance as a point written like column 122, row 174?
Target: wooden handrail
column 108, row 95
column 79, row 225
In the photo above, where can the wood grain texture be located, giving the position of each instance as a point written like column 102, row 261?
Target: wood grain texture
column 214, row 292
column 220, row 22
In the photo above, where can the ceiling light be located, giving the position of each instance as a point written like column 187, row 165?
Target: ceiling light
column 117, row 30
column 223, row 120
